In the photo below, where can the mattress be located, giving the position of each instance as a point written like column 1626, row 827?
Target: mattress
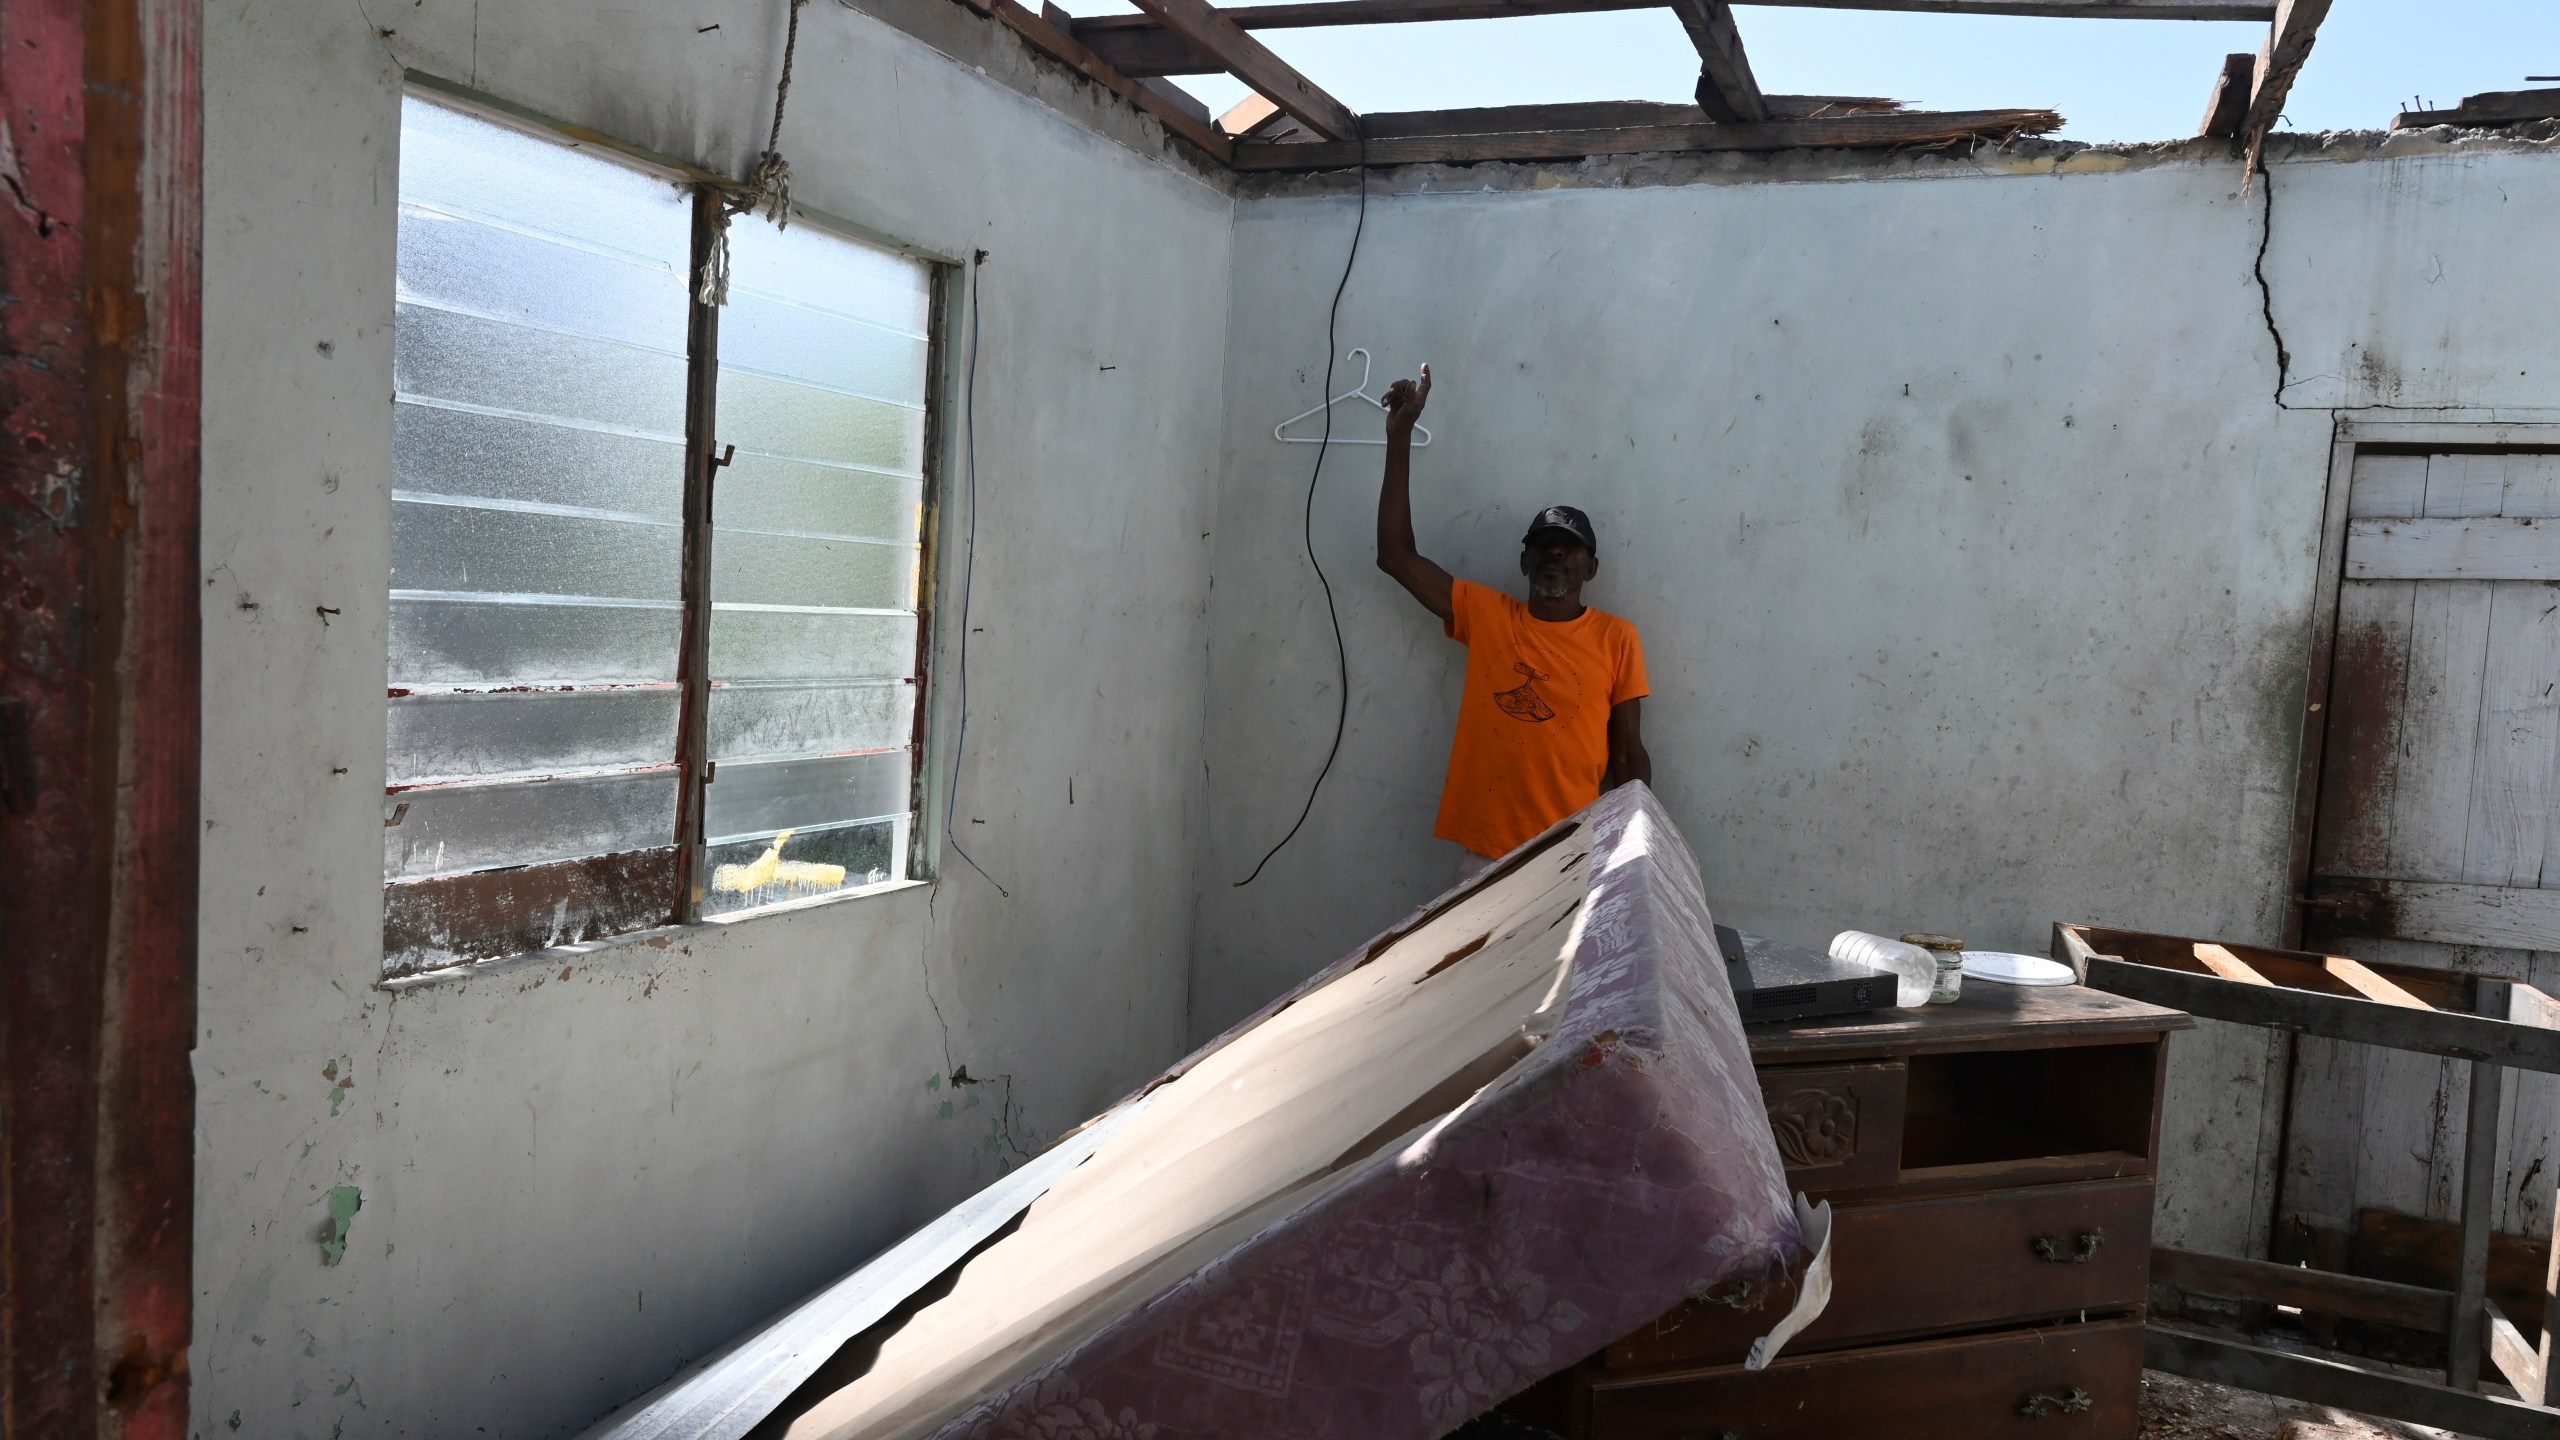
column 1517, row 1125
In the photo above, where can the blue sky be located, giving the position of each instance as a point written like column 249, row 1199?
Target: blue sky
column 2113, row 80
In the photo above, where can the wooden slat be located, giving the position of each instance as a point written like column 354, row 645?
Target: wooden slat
column 1726, row 89
column 1205, row 29
column 2514, row 1358
column 2322, row 1292
column 2202, row 1355
column 2479, row 1193
column 2059, row 9
column 2533, row 485
column 2511, row 917
column 2513, row 786
column 2361, row 751
column 2388, row 485
column 1063, row 46
column 2495, row 107
column 1139, row 45
column 1854, row 131
column 1602, row 115
column 2070, row 949
column 2227, row 965
column 2289, row 37
column 2483, row 548
column 2439, row 728
column 1316, row 14
column 2229, row 103
column 2466, row 484
column 1250, row 116
column 2335, row 1016
column 2548, row 1347
column 2527, row 1005
column 2369, row 985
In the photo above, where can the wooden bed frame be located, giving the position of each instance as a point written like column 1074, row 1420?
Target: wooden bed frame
column 2493, row 1023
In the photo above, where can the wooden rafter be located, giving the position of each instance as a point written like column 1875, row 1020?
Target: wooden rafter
column 1602, row 115
column 1726, row 89
column 2059, row 9
column 1140, row 45
column 1905, row 130
column 1251, row 115
column 1063, row 46
column 2230, row 103
column 1316, row 14
column 1205, row 29
column 2289, row 38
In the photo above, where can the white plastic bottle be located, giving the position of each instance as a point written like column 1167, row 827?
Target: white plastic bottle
column 1915, row 971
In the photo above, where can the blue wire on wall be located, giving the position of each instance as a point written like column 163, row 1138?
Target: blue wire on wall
column 968, row 578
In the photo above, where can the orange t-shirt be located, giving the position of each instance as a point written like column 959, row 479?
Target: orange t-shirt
column 1533, row 725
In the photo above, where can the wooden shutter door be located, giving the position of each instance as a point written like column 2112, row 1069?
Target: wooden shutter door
column 2434, row 842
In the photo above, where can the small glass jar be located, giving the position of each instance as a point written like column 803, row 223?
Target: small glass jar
column 1948, row 951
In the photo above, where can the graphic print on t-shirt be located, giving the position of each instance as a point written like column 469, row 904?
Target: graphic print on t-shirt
column 1524, row 703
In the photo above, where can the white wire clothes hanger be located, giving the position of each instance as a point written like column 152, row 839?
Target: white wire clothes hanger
column 1421, row 432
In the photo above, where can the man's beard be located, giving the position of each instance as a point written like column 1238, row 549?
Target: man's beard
column 1547, row 585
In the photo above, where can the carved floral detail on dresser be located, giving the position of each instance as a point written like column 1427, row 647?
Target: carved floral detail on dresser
column 1815, row 1127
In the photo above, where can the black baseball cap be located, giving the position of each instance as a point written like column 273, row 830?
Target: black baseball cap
column 1567, row 519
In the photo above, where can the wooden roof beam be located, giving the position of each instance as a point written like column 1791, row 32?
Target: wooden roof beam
column 1726, row 89
column 2229, row 105
column 2250, row 10
column 1057, row 42
column 1203, row 27
column 1140, row 45
column 2289, row 38
column 1904, row 130
column 1316, row 14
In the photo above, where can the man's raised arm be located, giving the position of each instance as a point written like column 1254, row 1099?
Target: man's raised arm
column 1397, row 556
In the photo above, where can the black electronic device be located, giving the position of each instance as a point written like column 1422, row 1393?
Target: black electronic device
column 1773, row 980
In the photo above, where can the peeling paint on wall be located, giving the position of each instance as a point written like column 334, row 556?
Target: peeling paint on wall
column 344, row 1202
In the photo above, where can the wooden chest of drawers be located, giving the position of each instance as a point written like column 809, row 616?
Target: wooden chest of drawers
column 1989, row 1164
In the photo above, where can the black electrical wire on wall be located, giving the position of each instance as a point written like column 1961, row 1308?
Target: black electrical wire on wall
column 968, row 574
column 1307, row 526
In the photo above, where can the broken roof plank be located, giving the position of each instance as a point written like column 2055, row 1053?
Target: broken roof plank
column 1139, row 45
column 2230, row 103
column 1205, row 29
column 1601, row 115
column 2058, row 9
column 2496, row 107
column 1918, row 128
column 1064, row 46
column 1251, row 115
column 1314, row 14
column 2289, row 38
column 1726, row 89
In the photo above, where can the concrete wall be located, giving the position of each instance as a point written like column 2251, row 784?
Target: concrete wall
column 1973, row 553
column 576, row 1176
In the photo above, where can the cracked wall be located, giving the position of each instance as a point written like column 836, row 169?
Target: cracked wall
column 1972, row 551
column 507, row 1204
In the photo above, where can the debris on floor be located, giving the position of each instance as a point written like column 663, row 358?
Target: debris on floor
column 2177, row 1408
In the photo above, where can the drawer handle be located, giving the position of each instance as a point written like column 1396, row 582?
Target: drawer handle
column 2072, row 1404
column 2048, row 1248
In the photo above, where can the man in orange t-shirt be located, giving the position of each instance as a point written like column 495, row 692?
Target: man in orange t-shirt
column 1548, row 718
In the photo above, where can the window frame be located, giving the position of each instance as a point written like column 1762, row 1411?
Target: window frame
column 510, row 904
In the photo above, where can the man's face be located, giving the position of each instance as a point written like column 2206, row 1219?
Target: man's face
column 1557, row 564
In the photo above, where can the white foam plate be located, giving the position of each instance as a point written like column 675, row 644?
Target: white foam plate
column 2005, row 969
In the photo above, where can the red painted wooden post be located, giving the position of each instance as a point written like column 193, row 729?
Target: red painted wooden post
column 100, row 123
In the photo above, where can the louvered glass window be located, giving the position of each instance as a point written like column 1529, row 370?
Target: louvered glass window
column 815, row 566
column 537, row 785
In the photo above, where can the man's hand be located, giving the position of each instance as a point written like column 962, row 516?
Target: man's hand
column 1404, row 403
column 1425, row 581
